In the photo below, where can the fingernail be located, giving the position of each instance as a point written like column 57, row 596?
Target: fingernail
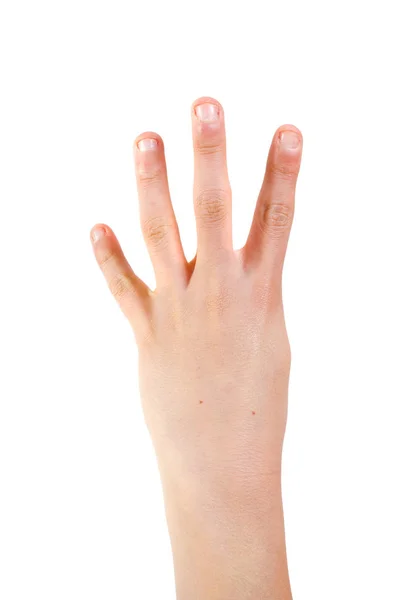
column 289, row 140
column 147, row 144
column 207, row 112
column 97, row 233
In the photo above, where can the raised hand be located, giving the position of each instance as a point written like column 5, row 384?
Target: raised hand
column 214, row 361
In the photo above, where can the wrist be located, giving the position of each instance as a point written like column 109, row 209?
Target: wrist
column 229, row 546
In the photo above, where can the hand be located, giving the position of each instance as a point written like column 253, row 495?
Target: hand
column 214, row 361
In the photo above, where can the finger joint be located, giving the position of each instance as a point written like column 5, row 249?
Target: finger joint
column 156, row 232
column 212, row 205
column 283, row 171
column 120, row 286
column 276, row 218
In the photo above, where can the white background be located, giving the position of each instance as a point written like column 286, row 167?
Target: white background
column 81, row 513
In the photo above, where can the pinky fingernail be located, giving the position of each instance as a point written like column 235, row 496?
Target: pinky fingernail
column 98, row 233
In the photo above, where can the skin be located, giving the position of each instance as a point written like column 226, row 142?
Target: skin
column 214, row 361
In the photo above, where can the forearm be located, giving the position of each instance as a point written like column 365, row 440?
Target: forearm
column 229, row 547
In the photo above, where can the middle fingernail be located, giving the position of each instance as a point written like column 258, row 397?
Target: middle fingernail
column 207, row 112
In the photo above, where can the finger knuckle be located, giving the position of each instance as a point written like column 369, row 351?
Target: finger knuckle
column 156, row 232
column 150, row 177
column 212, row 205
column 208, row 147
column 284, row 171
column 120, row 286
column 276, row 218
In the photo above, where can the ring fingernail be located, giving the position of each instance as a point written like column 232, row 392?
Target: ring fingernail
column 147, row 144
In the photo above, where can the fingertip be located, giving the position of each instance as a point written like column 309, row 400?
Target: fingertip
column 206, row 100
column 149, row 157
column 208, row 126
column 98, row 232
column 148, row 140
column 207, row 114
column 289, row 126
column 289, row 139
